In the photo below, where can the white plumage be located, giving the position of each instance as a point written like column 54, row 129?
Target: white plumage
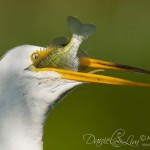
column 25, row 99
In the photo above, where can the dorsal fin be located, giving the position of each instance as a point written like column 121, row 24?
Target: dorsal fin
column 60, row 41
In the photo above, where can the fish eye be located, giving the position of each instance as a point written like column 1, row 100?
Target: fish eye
column 35, row 57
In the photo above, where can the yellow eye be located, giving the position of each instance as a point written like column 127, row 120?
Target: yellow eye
column 34, row 57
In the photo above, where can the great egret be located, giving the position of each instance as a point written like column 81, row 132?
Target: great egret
column 34, row 79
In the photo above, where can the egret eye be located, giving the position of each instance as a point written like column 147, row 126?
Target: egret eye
column 34, row 57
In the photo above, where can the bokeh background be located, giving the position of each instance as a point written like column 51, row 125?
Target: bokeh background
column 123, row 35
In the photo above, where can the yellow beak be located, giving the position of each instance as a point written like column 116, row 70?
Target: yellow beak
column 94, row 78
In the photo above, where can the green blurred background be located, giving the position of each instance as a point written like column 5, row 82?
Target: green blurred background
column 123, row 35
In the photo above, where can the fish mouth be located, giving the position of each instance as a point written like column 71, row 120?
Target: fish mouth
column 96, row 65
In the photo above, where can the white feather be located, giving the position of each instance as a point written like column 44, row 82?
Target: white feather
column 25, row 99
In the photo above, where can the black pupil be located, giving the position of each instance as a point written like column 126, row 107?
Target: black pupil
column 35, row 57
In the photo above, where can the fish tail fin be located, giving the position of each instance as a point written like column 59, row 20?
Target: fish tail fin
column 80, row 29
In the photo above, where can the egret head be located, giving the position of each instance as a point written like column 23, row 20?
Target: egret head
column 41, row 88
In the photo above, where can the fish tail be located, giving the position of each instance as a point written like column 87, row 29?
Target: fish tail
column 80, row 29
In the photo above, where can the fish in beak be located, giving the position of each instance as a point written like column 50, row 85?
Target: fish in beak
column 64, row 57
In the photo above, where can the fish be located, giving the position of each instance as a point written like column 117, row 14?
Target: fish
column 64, row 53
